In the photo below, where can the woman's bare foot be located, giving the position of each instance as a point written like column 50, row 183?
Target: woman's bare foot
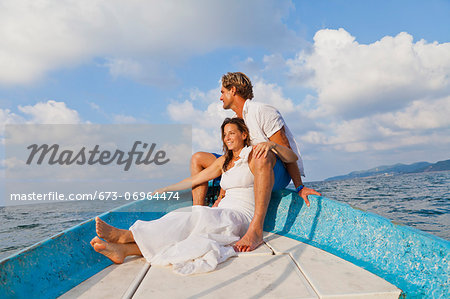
column 249, row 242
column 111, row 233
column 112, row 251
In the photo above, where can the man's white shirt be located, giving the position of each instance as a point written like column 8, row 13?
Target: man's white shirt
column 263, row 121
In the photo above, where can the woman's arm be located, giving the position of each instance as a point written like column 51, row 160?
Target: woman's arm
column 219, row 198
column 213, row 171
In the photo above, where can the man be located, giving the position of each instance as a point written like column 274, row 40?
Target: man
column 265, row 123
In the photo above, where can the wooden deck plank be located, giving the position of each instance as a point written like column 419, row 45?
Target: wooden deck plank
column 297, row 270
column 330, row 275
column 257, row 276
column 114, row 281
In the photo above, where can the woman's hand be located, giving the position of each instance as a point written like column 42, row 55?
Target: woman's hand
column 216, row 203
column 219, row 198
column 159, row 191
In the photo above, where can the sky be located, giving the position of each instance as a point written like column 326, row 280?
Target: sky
column 359, row 83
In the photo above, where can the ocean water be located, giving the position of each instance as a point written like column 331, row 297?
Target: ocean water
column 419, row 200
column 24, row 225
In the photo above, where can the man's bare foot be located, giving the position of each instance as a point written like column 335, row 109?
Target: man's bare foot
column 249, row 242
column 111, row 233
column 112, row 251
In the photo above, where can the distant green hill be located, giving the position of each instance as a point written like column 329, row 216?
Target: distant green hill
column 395, row 170
column 438, row 166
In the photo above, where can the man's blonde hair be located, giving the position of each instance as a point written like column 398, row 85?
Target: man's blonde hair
column 242, row 83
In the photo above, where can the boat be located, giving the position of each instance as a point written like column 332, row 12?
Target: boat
column 328, row 249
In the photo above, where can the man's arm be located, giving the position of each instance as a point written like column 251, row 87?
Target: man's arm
column 285, row 154
column 292, row 168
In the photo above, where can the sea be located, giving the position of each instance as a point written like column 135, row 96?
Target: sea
column 420, row 200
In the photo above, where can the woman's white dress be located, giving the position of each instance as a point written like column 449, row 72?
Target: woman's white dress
column 197, row 239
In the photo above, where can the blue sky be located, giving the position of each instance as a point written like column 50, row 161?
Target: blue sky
column 360, row 83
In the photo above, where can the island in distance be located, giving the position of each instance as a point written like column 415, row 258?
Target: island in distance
column 396, row 169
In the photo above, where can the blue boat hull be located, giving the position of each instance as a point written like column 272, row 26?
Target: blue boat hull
column 414, row 261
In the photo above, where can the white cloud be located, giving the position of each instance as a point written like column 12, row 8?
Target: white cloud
column 424, row 124
column 382, row 102
column 8, row 117
column 250, row 67
column 183, row 112
column 414, row 131
column 206, row 121
column 50, row 112
column 422, row 114
column 211, row 96
column 274, row 62
column 134, row 37
column 353, row 80
column 385, row 101
column 272, row 94
column 207, row 140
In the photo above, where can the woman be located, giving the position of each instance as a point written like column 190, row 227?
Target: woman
column 195, row 241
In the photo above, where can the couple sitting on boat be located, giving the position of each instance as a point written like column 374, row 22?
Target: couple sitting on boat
column 196, row 241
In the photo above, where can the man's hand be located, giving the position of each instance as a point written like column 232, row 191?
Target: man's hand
column 261, row 149
column 307, row 191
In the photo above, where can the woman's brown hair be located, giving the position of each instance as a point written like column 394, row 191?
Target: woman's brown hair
column 239, row 122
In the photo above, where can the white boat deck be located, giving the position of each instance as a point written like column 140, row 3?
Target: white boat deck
column 280, row 268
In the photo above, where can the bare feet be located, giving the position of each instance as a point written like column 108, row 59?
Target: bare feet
column 111, row 233
column 112, row 251
column 249, row 242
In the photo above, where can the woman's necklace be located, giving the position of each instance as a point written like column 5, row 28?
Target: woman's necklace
column 235, row 158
